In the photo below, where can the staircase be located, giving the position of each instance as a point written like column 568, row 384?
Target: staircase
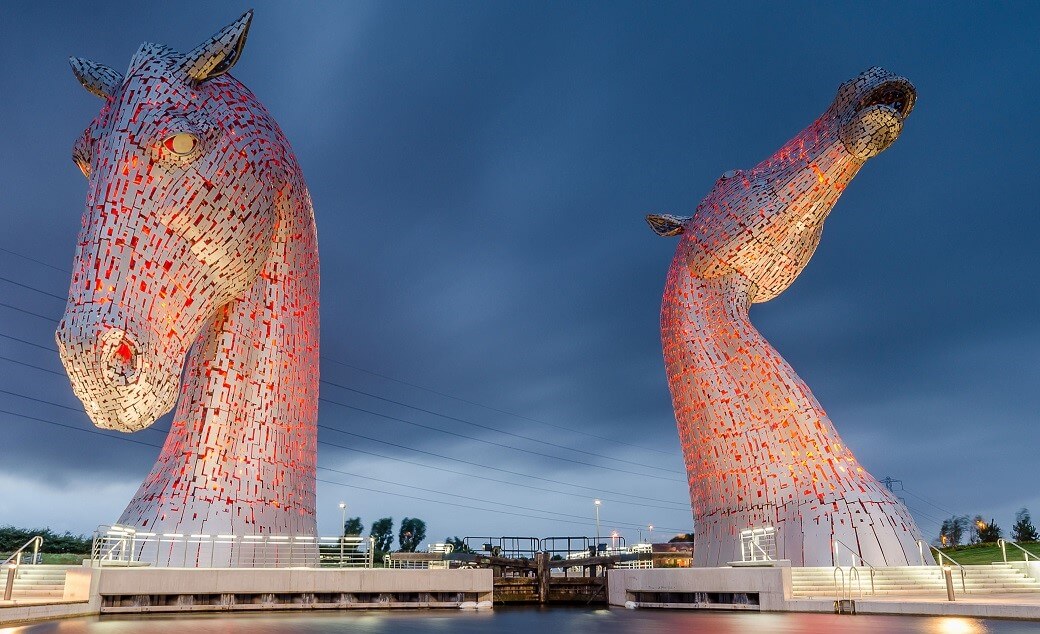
column 36, row 582
column 903, row 580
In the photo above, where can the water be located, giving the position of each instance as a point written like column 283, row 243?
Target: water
column 525, row 621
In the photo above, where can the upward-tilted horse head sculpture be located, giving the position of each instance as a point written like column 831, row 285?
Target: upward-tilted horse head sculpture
column 197, row 258
column 762, row 456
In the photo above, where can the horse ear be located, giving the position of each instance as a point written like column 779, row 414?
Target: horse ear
column 665, row 225
column 98, row 79
column 219, row 53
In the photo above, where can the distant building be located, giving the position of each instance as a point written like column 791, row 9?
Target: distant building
column 673, row 555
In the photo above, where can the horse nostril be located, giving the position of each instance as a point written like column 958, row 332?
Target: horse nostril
column 120, row 357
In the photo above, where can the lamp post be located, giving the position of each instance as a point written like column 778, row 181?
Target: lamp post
column 342, row 529
column 597, row 504
column 650, row 527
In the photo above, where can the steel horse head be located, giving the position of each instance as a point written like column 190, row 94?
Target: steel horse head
column 196, row 272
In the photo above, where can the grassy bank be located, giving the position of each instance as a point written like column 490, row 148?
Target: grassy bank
column 989, row 553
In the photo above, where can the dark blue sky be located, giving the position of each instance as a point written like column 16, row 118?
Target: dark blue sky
column 480, row 172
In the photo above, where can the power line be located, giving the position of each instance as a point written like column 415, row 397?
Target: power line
column 412, row 449
column 515, row 506
column 445, row 416
column 28, row 312
column 495, row 409
column 382, row 492
column 484, row 466
column 408, row 422
column 31, row 259
column 494, row 429
column 926, row 501
column 33, row 288
column 495, row 444
column 390, row 378
column 524, row 515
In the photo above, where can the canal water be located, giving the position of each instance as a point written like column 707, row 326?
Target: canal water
column 525, row 621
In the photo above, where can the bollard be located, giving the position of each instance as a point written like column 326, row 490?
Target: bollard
column 9, row 587
column 544, row 576
column 948, row 575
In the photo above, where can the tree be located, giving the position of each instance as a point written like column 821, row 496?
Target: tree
column 12, row 538
column 383, row 534
column 681, row 537
column 1023, row 530
column 977, row 526
column 953, row 530
column 458, row 545
column 412, row 533
column 988, row 533
column 353, row 526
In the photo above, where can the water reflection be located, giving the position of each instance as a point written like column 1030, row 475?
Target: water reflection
column 526, row 621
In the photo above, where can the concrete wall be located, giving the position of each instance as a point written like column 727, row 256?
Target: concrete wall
column 77, row 584
column 136, row 581
column 1030, row 568
column 773, row 585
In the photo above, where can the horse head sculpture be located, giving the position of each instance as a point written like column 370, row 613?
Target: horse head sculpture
column 197, row 258
column 762, row 456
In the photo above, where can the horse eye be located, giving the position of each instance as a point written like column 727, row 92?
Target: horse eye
column 181, row 143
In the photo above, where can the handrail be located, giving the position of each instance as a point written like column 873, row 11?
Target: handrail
column 1003, row 549
column 115, row 545
column 761, row 550
column 942, row 556
column 16, row 557
column 36, row 542
column 855, row 555
column 839, row 591
column 854, row 575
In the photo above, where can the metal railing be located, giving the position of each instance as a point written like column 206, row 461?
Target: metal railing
column 432, row 559
column 1026, row 554
column 920, row 546
column 124, row 546
column 15, row 561
column 16, row 557
column 855, row 560
column 752, row 547
column 511, row 547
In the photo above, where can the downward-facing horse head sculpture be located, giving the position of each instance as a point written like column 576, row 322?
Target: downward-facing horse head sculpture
column 198, row 257
column 761, row 453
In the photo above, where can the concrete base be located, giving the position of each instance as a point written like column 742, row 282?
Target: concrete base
column 769, row 589
column 147, row 590
column 757, row 588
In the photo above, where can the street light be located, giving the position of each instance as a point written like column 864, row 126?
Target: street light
column 343, row 530
column 650, row 527
column 597, row 504
column 614, row 540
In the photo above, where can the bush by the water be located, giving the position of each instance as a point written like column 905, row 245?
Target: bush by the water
column 12, row 538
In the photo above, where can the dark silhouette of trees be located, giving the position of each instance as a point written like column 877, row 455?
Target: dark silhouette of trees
column 383, row 534
column 12, row 538
column 353, row 526
column 1023, row 529
column 952, row 531
column 411, row 534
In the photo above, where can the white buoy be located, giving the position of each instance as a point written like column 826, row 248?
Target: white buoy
column 631, row 605
column 468, row 605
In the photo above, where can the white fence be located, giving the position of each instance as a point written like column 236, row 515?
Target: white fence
column 124, row 546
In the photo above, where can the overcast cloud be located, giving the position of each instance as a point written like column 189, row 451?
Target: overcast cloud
column 480, row 172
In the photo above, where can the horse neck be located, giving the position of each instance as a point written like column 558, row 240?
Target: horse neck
column 246, row 421
column 733, row 392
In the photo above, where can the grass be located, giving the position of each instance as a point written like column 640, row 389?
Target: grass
column 989, row 553
column 64, row 559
